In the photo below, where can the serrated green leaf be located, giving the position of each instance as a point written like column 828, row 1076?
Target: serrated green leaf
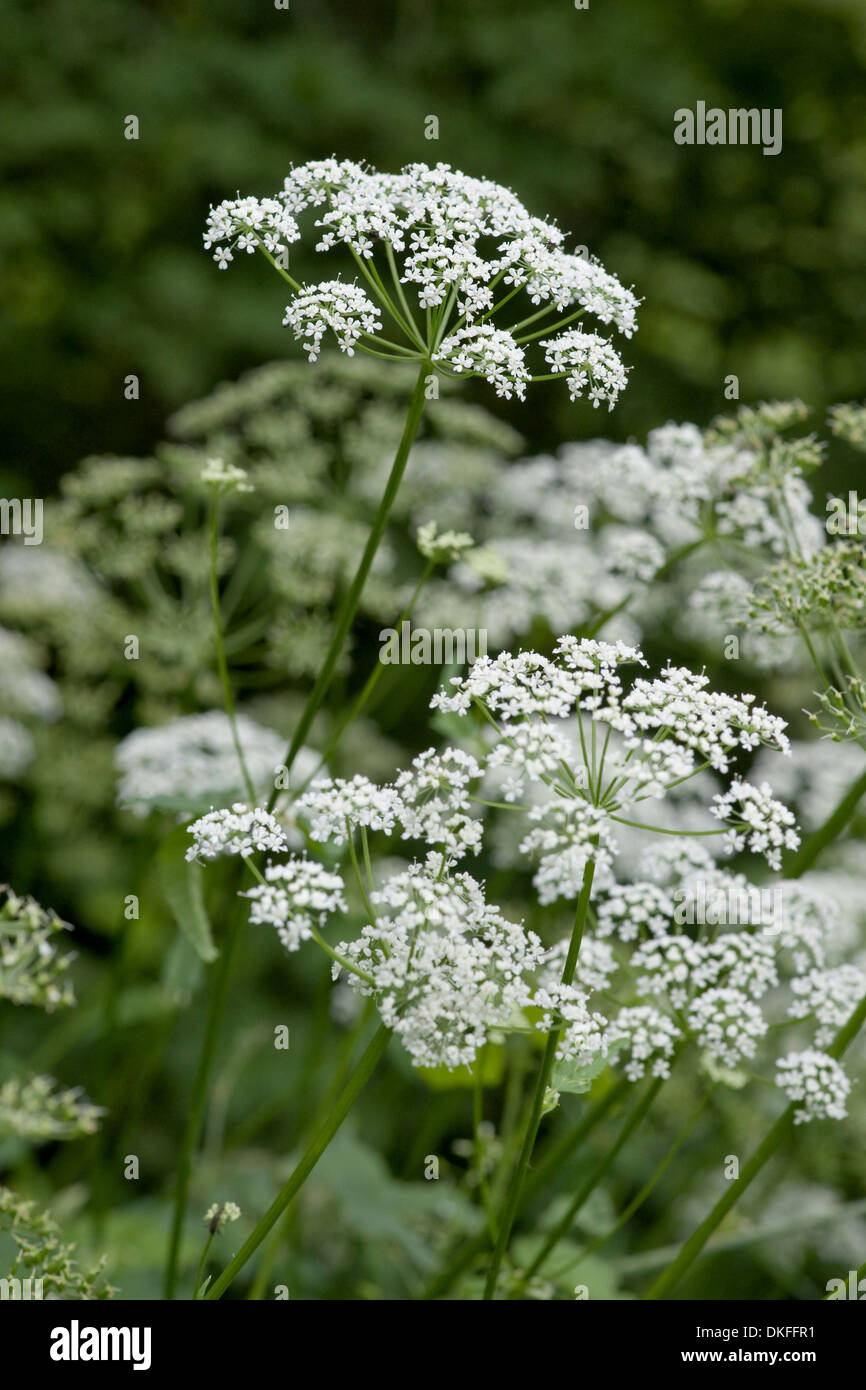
column 569, row 1076
column 181, row 884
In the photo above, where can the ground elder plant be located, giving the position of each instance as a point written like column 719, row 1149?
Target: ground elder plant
column 593, row 750
column 483, row 978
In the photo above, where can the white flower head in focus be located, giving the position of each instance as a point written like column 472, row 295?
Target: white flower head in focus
column 441, row 255
column 817, row 1082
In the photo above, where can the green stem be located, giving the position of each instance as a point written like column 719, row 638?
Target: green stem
column 562, row 1228
column 645, row 1260
column 646, row 1191
column 216, row 1010
column 779, row 1132
column 551, row 1159
column 836, row 822
column 363, row 696
column 358, row 1080
column 201, row 1265
column 513, row 1197
column 477, row 1121
column 401, row 295
column 350, row 603
column 222, row 664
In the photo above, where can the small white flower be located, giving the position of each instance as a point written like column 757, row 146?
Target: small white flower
column 225, row 477
column 219, row 1214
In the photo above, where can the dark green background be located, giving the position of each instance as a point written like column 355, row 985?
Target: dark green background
column 749, row 264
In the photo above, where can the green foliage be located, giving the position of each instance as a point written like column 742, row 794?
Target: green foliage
column 40, row 1253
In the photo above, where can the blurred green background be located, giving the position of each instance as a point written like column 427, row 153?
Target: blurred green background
column 749, row 264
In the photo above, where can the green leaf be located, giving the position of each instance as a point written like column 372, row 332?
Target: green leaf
column 181, row 884
column 569, row 1076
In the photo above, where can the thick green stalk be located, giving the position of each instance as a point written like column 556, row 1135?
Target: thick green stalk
column 779, row 1132
column 537, row 1108
column 358, row 1080
column 833, row 826
column 349, row 606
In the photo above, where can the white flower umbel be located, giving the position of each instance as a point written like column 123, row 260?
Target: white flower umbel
column 583, row 1033
column 647, row 1039
column 434, row 800
column 759, row 822
column 33, row 968
column 602, row 749
column 219, row 1214
column 728, row 1024
column 441, row 255
column 296, row 898
column 192, row 762
column 590, row 365
column 817, row 1081
column 237, row 829
column 343, row 310
column 828, row 996
column 225, row 477
column 444, row 966
column 482, row 350
column 677, row 967
column 443, row 548
column 630, row 910
column 334, row 808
